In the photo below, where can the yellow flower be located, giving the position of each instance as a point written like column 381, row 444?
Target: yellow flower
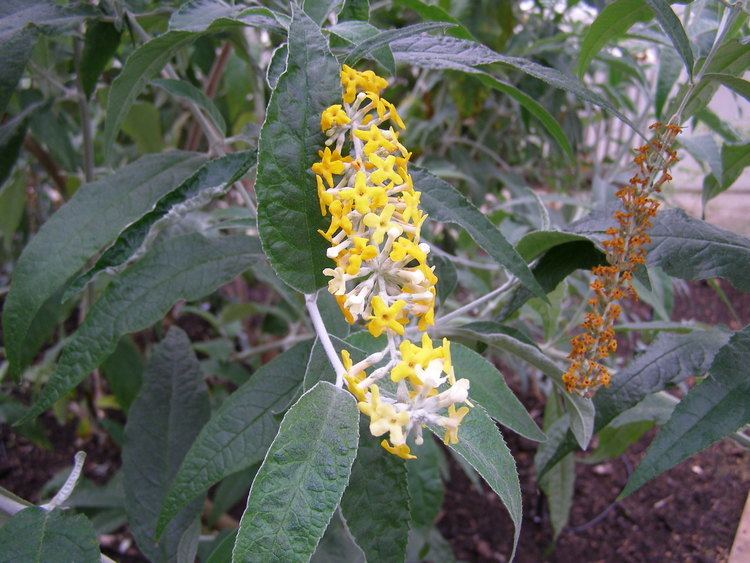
column 330, row 163
column 340, row 300
column 374, row 140
column 352, row 380
column 367, row 81
column 382, row 223
column 384, row 170
column 333, row 116
column 447, row 362
column 365, row 197
column 385, row 317
column 403, row 247
column 411, row 199
column 383, row 417
column 454, row 419
column 405, row 369
column 401, row 451
column 361, row 251
column 339, row 217
column 324, row 198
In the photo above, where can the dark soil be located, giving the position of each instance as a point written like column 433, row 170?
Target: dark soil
column 688, row 514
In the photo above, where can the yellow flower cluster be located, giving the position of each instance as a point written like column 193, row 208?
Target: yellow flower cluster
column 626, row 251
column 381, row 273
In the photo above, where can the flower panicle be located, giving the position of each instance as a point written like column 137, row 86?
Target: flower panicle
column 625, row 248
column 381, row 275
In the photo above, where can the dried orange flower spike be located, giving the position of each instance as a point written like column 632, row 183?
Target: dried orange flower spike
column 625, row 249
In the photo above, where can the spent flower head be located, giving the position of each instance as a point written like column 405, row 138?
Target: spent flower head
column 625, row 250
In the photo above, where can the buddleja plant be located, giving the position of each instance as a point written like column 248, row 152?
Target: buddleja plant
column 306, row 189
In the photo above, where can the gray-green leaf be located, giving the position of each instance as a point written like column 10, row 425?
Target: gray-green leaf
column 302, row 478
column 240, row 432
column 184, row 267
column 612, row 22
column 210, row 180
column 139, row 69
column 481, row 444
column 711, row 410
column 183, row 89
column 38, row 535
column 97, row 213
column 165, row 418
column 376, row 502
column 444, row 203
column 288, row 209
column 488, row 388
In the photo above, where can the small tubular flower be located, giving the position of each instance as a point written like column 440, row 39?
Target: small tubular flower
column 381, row 273
column 625, row 249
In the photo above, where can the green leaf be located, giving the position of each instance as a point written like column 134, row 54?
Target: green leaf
column 142, row 65
column 21, row 22
column 123, row 371
column 143, row 125
column 672, row 27
column 184, row 267
column 436, row 13
column 446, row 204
column 12, row 205
column 711, row 410
column 670, row 359
column 318, row 10
column 288, row 208
column 376, row 502
column 357, row 31
column 165, row 418
column 387, row 37
column 735, row 83
column 488, row 388
column 240, row 431
column 428, row 51
column 703, row 148
column 38, row 535
column 183, row 89
column 210, row 180
column 556, row 265
column 12, row 133
column 534, row 108
column 481, row 445
column 558, row 483
column 669, row 72
column 691, row 249
column 536, row 243
column 685, row 247
column 426, row 489
column 732, row 58
column 15, row 50
column 99, row 46
column 446, row 274
column 612, row 22
column 277, row 65
column 718, row 125
column 581, row 410
column 337, row 545
column 355, row 10
column 302, row 478
column 734, row 159
column 214, row 15
column 95, row 215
